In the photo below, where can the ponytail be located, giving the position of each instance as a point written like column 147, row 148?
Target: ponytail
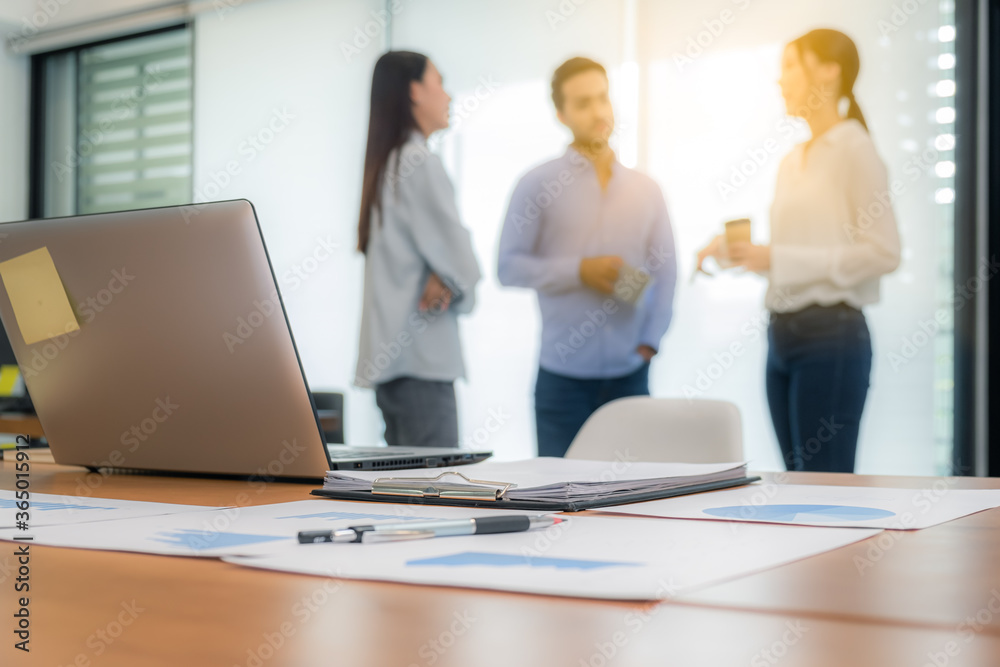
column 854, row 111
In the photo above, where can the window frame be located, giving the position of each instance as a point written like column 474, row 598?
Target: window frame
column 37, row 109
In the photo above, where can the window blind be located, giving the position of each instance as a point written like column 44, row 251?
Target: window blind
column 134, row 123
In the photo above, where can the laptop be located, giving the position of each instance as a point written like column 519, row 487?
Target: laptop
column 174, row 352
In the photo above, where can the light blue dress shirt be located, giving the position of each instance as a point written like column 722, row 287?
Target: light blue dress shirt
column 559, row 215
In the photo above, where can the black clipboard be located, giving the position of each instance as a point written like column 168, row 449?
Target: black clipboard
column 536, row 505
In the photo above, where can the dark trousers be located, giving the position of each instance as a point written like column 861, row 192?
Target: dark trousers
column 418, row 413
column 563, row 404
column 818, row 367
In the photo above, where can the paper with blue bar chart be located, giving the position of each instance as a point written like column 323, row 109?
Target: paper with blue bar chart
column 840, row 506
column 605, row 557
column 231, row 531
column 47, row 509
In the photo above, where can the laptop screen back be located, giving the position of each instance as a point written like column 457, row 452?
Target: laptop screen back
column 183, row 360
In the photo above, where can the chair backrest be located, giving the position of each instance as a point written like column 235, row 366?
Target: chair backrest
column 661, row 429
column 330, row 410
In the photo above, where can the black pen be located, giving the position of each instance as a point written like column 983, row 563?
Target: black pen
column 412, row 530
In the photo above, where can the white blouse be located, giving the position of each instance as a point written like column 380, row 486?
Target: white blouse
column 833, row 230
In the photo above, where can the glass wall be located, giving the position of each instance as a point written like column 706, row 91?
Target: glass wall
column 698, row 108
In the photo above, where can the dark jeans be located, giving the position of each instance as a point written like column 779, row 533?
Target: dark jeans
column 563, row 403
column 818, row 366
column 418, row 413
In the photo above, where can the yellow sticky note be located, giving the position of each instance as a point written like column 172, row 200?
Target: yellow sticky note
column 41, row 307
column 8, row 379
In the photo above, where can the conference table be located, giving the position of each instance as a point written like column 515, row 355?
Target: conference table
column 902, row 598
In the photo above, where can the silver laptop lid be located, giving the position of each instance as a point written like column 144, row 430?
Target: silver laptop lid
column 183, row 361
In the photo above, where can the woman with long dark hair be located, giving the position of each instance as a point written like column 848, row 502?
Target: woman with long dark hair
column 833, row 236
column 420, row 269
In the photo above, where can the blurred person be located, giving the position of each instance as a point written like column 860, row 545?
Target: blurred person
column 420, row 268
column 587, row 234
column 833, row 236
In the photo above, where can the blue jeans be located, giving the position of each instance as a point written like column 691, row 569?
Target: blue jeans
column 819, row 362
column 563, row 403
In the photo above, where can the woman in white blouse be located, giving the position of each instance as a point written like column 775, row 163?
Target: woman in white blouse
column 833, row 236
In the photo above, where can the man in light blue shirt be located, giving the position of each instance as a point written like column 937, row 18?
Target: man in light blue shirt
column 593, row 239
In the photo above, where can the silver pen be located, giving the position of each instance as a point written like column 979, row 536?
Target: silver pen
column 413, row 530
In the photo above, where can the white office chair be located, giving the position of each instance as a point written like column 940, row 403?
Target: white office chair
column 672, row 430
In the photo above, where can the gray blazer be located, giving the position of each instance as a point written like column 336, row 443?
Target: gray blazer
column 414, row 232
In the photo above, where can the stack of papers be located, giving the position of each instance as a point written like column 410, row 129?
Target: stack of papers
column 556, row 480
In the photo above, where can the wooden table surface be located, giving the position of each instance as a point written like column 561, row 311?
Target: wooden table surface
column 106, row 608
column 23, row 424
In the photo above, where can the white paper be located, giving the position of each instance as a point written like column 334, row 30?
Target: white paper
column 843, row 506
column 606, row 557
column 52, row 510
column 237, row 530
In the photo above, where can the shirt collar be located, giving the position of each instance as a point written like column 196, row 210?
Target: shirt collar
column 831, row 135
column 615, row 164
column 417, row 137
